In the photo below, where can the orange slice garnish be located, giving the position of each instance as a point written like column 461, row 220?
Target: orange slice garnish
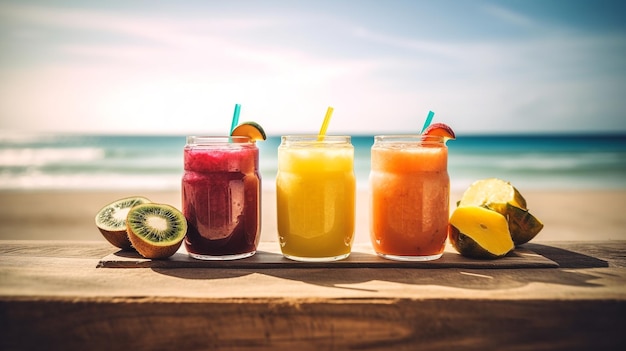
column 440, row 129
column 252, row 130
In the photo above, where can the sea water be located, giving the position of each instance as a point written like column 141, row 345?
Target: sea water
column 136, row 162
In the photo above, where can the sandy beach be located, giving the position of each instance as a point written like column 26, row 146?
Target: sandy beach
column 69, row 215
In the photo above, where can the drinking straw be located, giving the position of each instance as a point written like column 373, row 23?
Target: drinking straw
column 429, row 119
column 329, row 113
column 235, row 121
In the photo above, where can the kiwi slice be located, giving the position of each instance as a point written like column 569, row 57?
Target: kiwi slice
column 111, row 220
column 156, row 230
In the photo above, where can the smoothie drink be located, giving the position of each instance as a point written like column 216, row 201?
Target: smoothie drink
column 221, row 197
column 315, row 189
column 410, row 191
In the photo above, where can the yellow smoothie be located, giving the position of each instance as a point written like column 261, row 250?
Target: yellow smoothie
column 315, row 189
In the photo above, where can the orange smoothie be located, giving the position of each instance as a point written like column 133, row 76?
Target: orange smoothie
column 410, row 191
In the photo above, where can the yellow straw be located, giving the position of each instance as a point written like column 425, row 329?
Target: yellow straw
column 322, row 133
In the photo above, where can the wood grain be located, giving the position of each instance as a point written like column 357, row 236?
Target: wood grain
column 362, row 256
column 276, row 324
column 53, row 296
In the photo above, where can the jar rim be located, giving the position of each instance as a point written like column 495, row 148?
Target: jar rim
column 316, row 138
column 409, row 138
column 218, row 140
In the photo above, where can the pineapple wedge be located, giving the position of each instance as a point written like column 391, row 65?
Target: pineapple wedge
column 500, row 196
column 478, row 232
column 492, row 192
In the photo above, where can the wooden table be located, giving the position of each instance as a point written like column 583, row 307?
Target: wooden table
column 53, row 296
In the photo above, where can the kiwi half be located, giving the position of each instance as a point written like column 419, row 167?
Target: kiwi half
column 156, row 230
column 111, row 220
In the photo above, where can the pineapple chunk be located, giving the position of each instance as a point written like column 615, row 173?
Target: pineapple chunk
column 478, row 232
column 500, row 196
column 494, row 193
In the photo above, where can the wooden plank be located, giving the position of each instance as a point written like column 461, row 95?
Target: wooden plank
column 362, row 256
column 583, row 254
column 317, row 324
column 55, row 248
column 52, row 296
column 49, row 270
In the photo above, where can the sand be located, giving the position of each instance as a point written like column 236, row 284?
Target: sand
column 69, row 215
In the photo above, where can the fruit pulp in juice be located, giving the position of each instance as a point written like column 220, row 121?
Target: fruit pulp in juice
column 315, row 201
column 410, row 190
column 221, row 198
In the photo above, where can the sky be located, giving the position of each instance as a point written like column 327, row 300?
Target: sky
column 179, row 67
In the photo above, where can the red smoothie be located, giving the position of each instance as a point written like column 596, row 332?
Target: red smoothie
column 221, row 192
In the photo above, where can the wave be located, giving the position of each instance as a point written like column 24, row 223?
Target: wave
column 45, row 181
column 12, row 157
column 32, row 162
column 531, row 162
column 25, row 138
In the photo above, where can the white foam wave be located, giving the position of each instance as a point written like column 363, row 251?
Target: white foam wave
column 43, row 181
column 14, row 157
column 21, row 137
column 539, row 162
column 559, row 162
column 36, row 180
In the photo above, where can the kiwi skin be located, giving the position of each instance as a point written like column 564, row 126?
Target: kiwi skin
column 153, row 251
column 119, row 238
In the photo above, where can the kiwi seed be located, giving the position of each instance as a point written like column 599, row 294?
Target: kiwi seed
column 156, row 230
column 111, row 220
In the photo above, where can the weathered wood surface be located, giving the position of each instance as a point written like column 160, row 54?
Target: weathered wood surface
column 268, row 255
column 53, row 296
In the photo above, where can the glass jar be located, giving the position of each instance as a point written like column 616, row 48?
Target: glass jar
column 221, row 194
column 315, row 193
column 410, row 194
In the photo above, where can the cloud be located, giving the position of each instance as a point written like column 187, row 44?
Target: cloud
column 174, row 61
column 110, row 71
column 158, row 29
column 423, row 46
column 509, row 16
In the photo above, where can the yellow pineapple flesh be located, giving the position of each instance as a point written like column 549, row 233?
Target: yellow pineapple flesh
column 500, row 196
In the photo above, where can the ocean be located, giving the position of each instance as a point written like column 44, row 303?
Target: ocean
column 126, row 162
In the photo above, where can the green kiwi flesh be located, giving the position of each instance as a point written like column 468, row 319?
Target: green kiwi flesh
column 156, row 230
column 111, row 220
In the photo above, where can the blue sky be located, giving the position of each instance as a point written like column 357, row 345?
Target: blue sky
column 181, row 66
